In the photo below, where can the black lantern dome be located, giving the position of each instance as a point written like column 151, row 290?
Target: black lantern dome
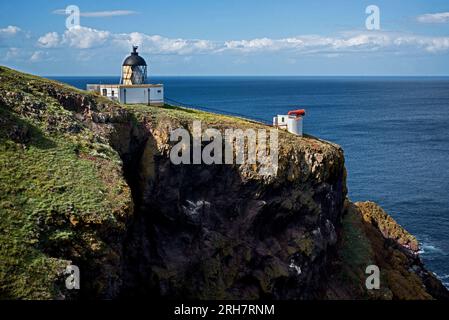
column 134, row 59
column 134, row 69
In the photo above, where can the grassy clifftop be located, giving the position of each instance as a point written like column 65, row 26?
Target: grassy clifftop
column 58, row 183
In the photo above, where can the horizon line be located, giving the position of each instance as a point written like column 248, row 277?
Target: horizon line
column 262, row 75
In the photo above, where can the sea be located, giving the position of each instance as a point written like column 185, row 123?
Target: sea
column 394, row 132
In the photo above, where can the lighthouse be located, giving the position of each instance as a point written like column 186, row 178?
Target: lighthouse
column 134, row 69
column 133, row 87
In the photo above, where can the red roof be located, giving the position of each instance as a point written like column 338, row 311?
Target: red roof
column 298, row 113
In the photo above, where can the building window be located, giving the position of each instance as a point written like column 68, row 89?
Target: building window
column 105, row 92
column 112, row 93
column 159, row 91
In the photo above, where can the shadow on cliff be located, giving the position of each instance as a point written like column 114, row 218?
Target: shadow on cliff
column 207, row 232
column 15, row 129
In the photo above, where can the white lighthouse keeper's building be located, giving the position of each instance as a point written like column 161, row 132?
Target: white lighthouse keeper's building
column 133, row 87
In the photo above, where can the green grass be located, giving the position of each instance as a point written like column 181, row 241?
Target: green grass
column 356, row 251
column 188, row 115
column 58, row 180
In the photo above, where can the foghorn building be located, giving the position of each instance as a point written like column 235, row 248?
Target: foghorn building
column 292, row 121
column 133, row 87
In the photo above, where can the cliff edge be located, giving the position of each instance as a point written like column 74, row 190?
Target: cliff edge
column 89, row 182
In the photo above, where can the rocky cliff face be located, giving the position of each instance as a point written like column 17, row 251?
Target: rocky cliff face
column 191, row 231
column 224, row 231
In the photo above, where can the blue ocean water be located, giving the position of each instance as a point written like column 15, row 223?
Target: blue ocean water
column 394, row 131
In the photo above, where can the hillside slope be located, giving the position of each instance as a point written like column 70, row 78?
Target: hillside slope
column 86, row 181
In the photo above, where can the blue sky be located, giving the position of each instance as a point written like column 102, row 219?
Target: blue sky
column 227, row 37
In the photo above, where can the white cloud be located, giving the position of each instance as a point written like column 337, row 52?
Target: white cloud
column 429, row 44
column 100, row 14
column 84, row 38
column 361, row 42
column 343, row 43
column 437, row 44
column 311, row 43
column 9, row 31
column 12, row 53
column 252, row 45
column 156, row 44
column 440, row 17
column 37, row 56
column 49, row 40
column 369, row 41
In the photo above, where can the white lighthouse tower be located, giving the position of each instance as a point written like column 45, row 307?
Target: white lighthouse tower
column 133, row 87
